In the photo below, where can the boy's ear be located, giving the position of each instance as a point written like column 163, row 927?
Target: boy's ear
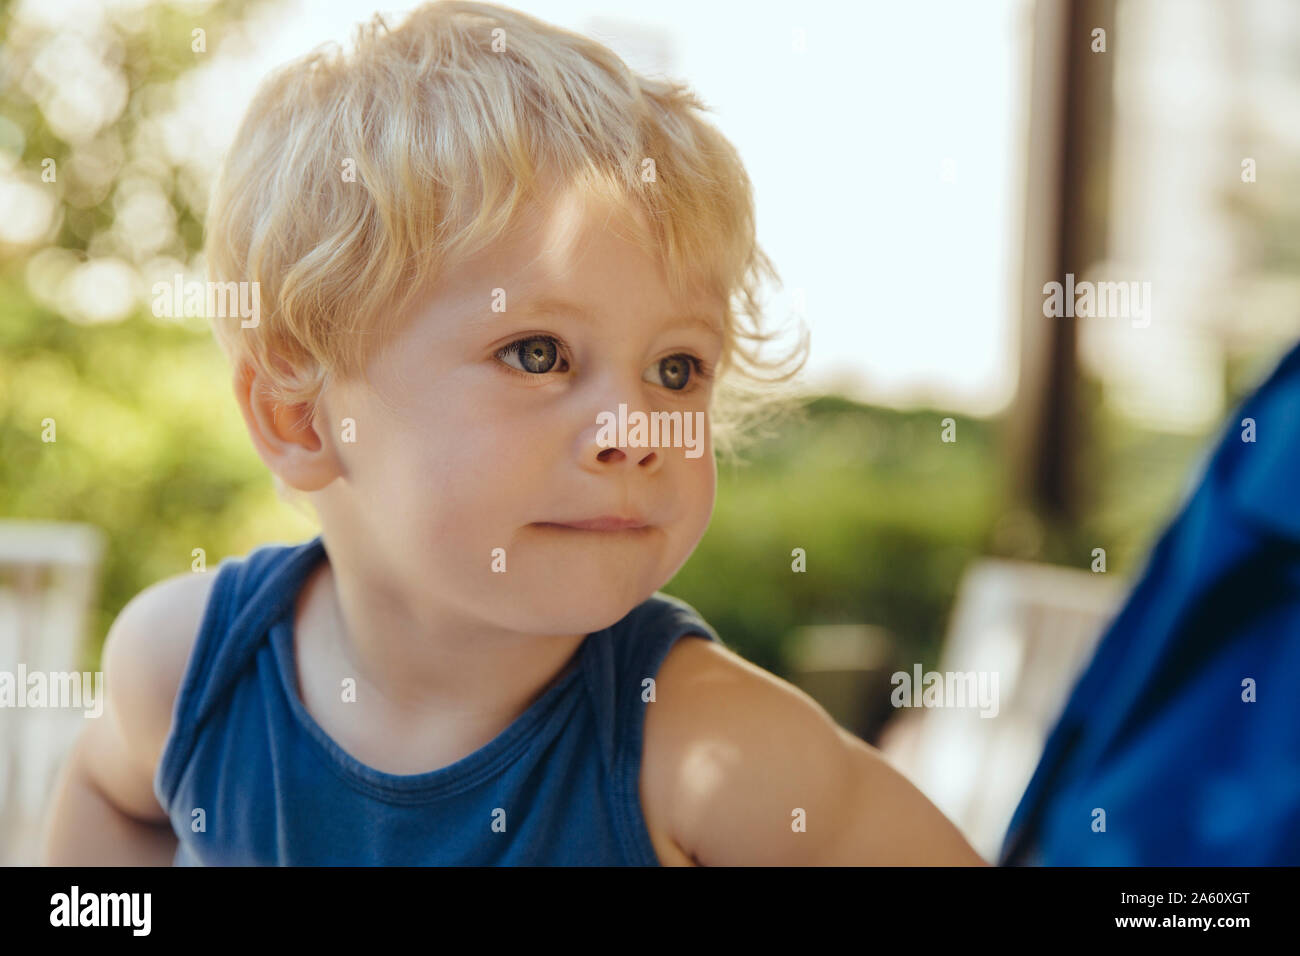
column 284, row 435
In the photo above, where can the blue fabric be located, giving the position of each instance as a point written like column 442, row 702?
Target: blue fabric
column 276, row 790
column 1155, row 731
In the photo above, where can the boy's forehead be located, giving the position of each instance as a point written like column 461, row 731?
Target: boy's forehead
column 566, row 252
column 548, row 239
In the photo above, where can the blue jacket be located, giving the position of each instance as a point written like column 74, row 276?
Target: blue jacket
column 1160, row 733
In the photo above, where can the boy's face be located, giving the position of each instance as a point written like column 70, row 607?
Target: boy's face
column 476, row 450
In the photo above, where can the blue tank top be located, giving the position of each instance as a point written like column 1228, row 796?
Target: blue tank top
column 560, row 783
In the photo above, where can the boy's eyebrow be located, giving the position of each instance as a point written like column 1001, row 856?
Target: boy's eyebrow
column 551, row 306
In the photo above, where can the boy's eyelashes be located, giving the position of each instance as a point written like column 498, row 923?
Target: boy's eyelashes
column 539, row 355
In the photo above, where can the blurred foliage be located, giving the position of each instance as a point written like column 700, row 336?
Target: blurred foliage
column 149, row 445
column 886, row 513
column 890, row 516
column 92, row 98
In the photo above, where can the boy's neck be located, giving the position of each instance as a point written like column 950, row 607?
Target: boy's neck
column 411, row 670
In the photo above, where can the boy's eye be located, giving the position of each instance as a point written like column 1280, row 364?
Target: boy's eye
column 536, row 354
column 539, row 355
column 675, row 371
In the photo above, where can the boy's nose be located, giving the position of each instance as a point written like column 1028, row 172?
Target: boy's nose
column 642, row 456
column 600, row 452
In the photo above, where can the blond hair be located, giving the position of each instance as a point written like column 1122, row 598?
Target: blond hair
column 449, row 120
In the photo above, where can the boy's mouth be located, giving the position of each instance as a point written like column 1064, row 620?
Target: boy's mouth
column 603, row 523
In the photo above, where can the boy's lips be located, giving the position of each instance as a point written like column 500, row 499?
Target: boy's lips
column 602, row 523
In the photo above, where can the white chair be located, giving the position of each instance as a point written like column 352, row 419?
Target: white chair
column 49, row 579
column 1035, row 626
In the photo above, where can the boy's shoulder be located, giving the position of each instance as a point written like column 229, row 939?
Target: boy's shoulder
column 145, row 657
column 742, row 768
column 720, row 719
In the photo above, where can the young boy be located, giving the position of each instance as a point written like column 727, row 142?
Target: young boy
column 476, row 242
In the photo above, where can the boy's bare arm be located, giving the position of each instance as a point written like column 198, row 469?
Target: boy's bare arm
column 752, row 771
column 103, row 810
column 86, row 827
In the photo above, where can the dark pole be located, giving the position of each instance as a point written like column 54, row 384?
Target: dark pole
column 1066, row 214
